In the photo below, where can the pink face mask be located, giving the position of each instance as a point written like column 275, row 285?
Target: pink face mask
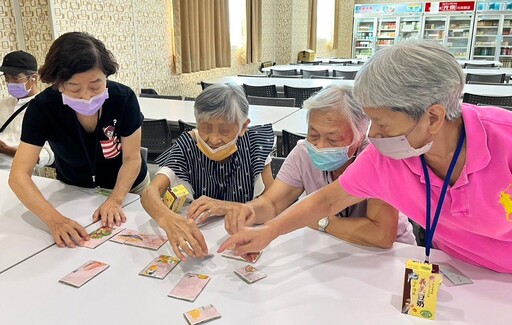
column 86, row 107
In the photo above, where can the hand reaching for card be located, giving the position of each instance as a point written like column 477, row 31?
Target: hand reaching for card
column 184, row 235
column 68, row 233
column 236, row 215
column 111, row 213
column 248, row 240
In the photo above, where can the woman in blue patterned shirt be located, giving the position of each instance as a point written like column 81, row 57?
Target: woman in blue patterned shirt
column 223, row 159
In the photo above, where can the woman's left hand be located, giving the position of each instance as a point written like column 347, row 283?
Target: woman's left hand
column 110, row 212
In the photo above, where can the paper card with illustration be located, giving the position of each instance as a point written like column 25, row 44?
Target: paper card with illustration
column 160, row 266
column 135, row 238
column 101, row 235
column 250, row 274
column 190, row 286
column 201, row 315
column 84, row 273
column 249, row 257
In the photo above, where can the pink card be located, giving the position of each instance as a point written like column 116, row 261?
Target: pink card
column 190, row 286
column 249, row 257
column 160, row 266
column 101, row 235
column 84, row 273
column 201, row 315
column 250, row 274
column 135, row 238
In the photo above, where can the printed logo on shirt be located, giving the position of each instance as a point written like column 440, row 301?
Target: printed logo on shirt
column 506, row 202
column 111, row 147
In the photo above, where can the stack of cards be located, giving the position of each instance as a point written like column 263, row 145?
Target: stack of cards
column 250, row 257
column 160, row 266
column 250, row 274
column 84, row 273
column 201, row 315
column 135, row 238
column 190, row 286
column 101, row 235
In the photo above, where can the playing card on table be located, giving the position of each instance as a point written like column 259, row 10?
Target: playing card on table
column 249, row 257
column 160, row 266
column 250, row 274
column 135, row 238
column 84, row 273
column 201, row 315
column 190, row 286
column 101, row 235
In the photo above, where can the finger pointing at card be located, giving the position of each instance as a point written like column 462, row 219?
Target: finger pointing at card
column 248, row 240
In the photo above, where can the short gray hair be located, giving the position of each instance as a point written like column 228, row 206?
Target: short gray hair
column 410, row 77
column 226, row 101
column 339, row 98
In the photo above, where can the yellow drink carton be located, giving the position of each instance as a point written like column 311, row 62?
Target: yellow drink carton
column 174, row 197
column 421, row 285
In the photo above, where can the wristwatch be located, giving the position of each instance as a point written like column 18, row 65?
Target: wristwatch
column 323, row 223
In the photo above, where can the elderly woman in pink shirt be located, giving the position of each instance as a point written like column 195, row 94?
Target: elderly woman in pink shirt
column 444, row 164
column 336, row 136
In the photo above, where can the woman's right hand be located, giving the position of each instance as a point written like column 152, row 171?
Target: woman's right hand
column 67, row 232
column 184, row 235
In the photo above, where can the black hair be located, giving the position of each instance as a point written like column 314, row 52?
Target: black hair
column 76, row 52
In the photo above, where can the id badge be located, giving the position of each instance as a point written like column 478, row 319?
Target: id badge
column 421, row 285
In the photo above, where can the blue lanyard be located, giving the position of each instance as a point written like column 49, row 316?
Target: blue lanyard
column 431, row 228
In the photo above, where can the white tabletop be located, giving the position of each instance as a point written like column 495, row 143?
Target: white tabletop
column 483, row 62
column 174, row 110
column 280, row 82
column 313, row 278
column 310, row 67
column 295, row 123
column 22, row 234
column 488, row 90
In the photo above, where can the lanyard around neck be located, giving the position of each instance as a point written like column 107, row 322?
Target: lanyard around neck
column 431, row 228
column 92, row 164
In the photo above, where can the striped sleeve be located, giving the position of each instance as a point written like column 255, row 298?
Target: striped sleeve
column 261, row 142
column 176, row 159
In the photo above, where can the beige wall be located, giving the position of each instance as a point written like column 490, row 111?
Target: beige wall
column 136, row 31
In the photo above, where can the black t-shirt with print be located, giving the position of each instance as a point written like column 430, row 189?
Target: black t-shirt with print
column 48, row 119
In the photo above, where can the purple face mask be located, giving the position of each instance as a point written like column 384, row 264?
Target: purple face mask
column 86, row 107
column 18, row 90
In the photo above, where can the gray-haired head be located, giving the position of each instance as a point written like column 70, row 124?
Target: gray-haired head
column 410, row 77
column 226, row 101
column 339, row 98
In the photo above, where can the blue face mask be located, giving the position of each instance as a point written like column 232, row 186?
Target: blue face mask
column 327, row 159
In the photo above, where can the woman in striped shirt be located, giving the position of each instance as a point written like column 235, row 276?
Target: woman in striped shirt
column 223, row 159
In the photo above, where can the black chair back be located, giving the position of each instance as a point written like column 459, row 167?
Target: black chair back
column 327, row 77
column 290, row 141
column 349, row 75
column 294, row 76
column 184, row 126
column 496, row 78
column 275, row 165
column 307, row 74
column 205, row 85
column 487, row 100
column 149, row 91
column 470, row 82
column 156, row 136
column 479, row 66
column 162, row 96
column 271, row 101
column 289, row 72
column 260, row 91
column 300, row 94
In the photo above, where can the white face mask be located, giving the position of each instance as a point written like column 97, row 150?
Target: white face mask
column 399, row 147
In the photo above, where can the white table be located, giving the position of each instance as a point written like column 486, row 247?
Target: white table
column 488, row 90
column 313, row 278
column 295, row 123
column 483, row 62
column 174, row 110
column 280, row 82
column 310, row 67
column 22, row 234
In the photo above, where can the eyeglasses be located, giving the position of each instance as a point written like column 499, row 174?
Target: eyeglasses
column 15, row 79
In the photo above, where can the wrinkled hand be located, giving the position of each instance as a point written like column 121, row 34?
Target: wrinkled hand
column 236, row 215
column 68, row 233
column 110, row 212
column 248, row 240
column 183, row 234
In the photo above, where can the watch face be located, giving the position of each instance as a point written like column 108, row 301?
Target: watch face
column 322, row 223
